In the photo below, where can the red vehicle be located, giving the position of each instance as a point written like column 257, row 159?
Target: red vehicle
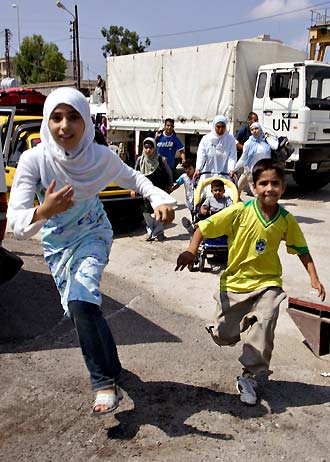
column 26, row 100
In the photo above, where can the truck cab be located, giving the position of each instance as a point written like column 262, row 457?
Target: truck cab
column 293, row 100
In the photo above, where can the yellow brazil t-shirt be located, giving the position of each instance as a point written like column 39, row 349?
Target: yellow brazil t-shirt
column 253, row 242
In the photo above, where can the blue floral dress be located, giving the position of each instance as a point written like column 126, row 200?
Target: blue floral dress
column 76, row 246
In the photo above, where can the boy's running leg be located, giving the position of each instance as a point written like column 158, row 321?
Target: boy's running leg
column 259, row 342
column 246, row 387
column 257, row 313
column 230, row 309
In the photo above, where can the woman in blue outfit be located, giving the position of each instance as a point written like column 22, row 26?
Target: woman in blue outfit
column 258, row 146
column 67, row 170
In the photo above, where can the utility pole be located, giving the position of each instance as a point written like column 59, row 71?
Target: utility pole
column 74, row 54
column 7, row 38
column 77, row 45
column 75, row 38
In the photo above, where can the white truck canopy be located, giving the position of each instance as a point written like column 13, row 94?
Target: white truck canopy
column 191, row 85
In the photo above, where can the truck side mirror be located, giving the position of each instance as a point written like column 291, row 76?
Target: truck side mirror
column 294, row 90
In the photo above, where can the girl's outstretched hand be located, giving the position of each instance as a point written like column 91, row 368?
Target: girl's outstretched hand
column 55, row 202
column 164, row 213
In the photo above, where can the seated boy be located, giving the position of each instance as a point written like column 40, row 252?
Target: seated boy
column 218, row 201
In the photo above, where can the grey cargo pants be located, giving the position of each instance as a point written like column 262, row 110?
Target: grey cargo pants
column 255, row 312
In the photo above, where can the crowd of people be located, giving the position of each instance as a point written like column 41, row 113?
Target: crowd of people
column 70, row 167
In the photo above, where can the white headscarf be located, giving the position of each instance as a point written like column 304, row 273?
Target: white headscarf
column 87, row 166
column 213, row 137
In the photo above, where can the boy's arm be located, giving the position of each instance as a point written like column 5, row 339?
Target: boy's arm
column 178, row 183
column 204, row 210
column 174, row 187
column 205, row 207
column 308, row 263
column 187, row 258
column 182, row 155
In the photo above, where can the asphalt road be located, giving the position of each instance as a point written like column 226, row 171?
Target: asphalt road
column 180, row 400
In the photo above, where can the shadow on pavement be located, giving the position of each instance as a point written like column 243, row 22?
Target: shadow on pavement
column 31, row 318
column 293, row 191
column 307, row 220
column 167, row 405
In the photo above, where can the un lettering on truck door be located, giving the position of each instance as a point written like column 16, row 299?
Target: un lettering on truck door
column 281, row 125
column 292, row 99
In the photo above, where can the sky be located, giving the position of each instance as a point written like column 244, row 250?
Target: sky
column 168, row 24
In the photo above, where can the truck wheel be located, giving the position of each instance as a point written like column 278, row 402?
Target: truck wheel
column 309, row 181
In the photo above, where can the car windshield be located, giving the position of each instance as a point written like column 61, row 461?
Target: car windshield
column 318, row 87
column 3, row 128
column 25, row 141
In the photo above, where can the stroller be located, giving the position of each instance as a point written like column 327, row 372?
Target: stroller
column 218, row 245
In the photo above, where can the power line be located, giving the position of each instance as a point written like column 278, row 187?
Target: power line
column 224, row 26
column 239, row 23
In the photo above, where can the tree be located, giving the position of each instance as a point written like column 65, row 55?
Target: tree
column 122, row 42
column 38, row 61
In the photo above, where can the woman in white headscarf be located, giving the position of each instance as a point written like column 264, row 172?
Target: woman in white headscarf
column 216, row 154
column 67, row 170
column 258, row 146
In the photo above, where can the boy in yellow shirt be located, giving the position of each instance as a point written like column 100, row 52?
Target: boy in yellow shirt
column 251, row 286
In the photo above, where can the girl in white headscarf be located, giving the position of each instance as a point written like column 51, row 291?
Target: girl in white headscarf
column 216, row 154
column 258, row 146
column 67, row 170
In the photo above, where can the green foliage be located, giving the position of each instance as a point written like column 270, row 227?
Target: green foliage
column 122, row 42
column 38, row 61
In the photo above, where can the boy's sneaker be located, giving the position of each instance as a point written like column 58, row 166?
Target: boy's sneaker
column 246, row 387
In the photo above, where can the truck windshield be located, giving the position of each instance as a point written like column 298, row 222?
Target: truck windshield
column 318, row 87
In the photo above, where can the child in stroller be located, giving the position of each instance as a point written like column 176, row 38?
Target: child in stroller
column 223, row 194
column 217, row 201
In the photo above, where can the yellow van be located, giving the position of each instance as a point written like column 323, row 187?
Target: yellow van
column 118, row 203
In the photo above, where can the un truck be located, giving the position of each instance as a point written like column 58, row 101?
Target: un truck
column 193, row 84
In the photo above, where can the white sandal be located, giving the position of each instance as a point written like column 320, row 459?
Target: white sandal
column 111, row 400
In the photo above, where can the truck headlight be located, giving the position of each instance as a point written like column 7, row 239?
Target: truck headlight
column 311, row 136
